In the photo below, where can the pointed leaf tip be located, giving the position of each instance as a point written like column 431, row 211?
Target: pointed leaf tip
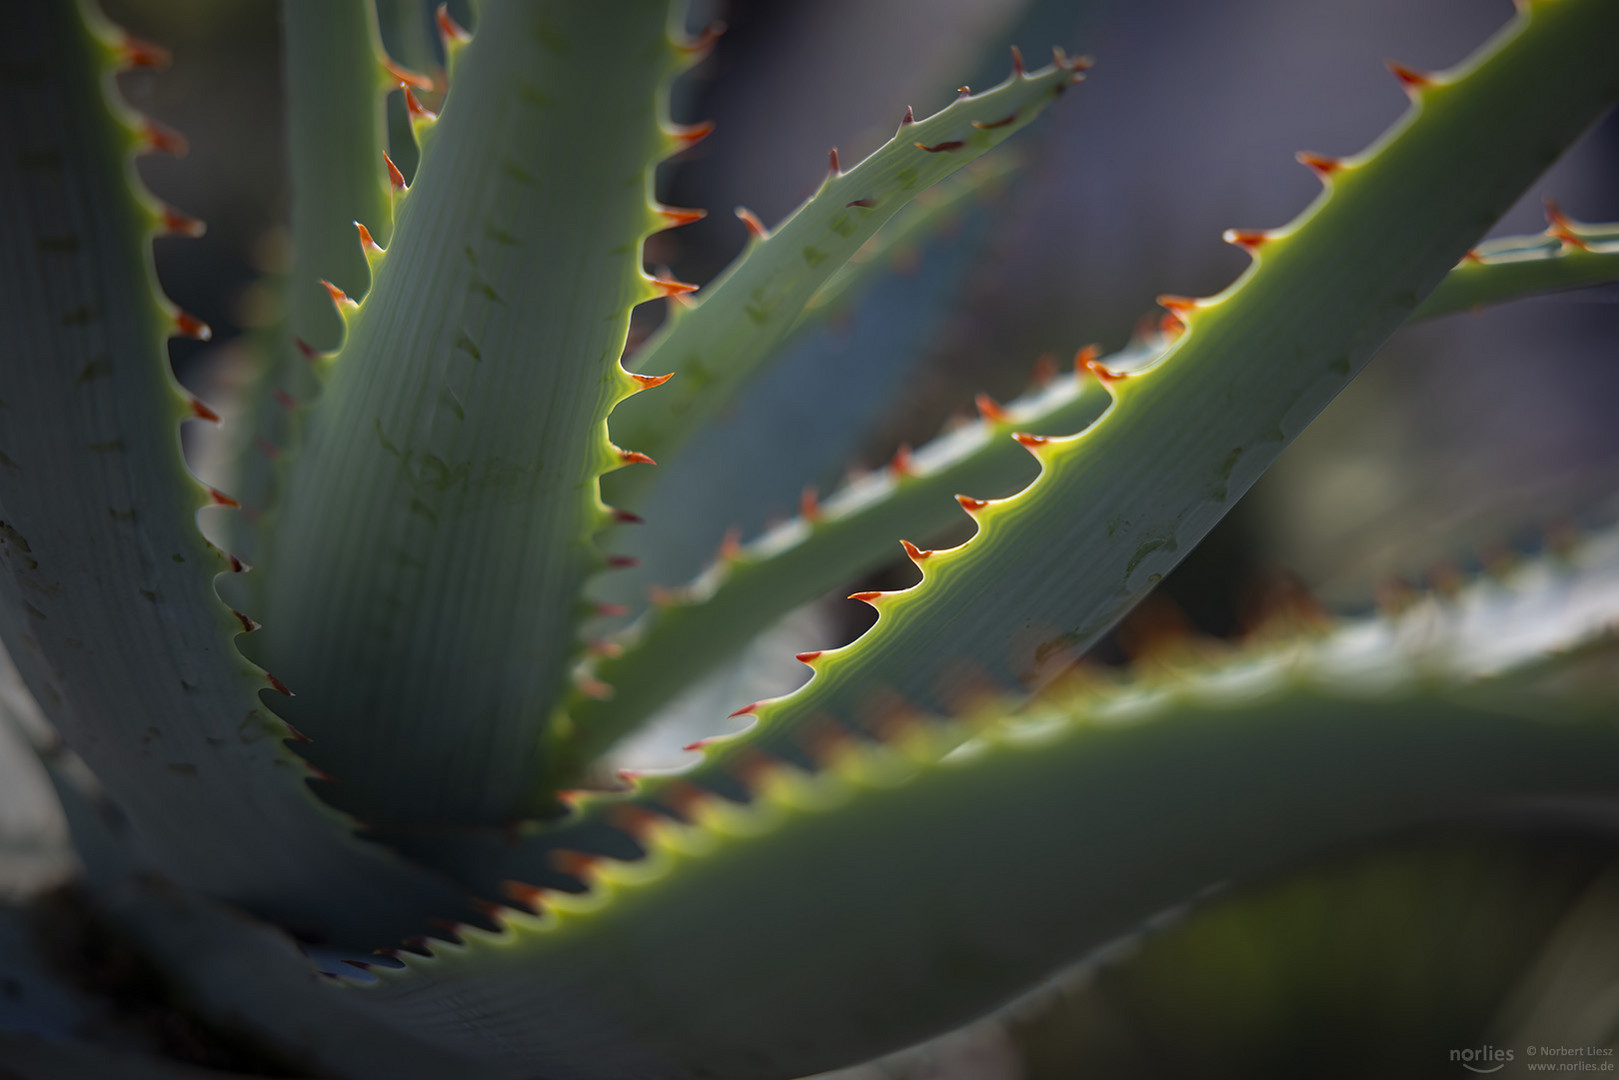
column 1248, row 239
column 916, row 554
column 369, row 245
column 415, row 108
column 1323, row 166
column 1411, row 80
column 448, row 29
column 1017, row 61
column 746, row 710
column 970, row 504
column 339, row 297
column 833, row 167
column 647, row 382
column 188, row 325
column 756, row 228
column 395, row 177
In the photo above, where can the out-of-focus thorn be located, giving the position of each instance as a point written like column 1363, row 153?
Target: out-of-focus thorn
column 607, row 650
column 730, row 545
column 1045, row 369
column 164, row 140
column 989, row 410
column 908, row 118
column 625, row 516
column 864, row 204
column 941, row 148
column 622, row 562
column 634, row 457
column 339, row 297
column 756, row 228
column 203, row 412
column 900, row 464
column 1412, row 81
column 1179, row 306
column 700, row 46
column 286, row 400
column 608, row 610
column 916, row 554
column 1393, row 596
column 1250, row 240
column 1560, row 227
column 448, row 29
column 178, row 224
column 395, row 177
column 833, row 168
column 134, row 52
column 188, row 325
column 677, row 216
column 1473, row 256
column 1323, row 166
column 1017, row 61
column 594, row 689
column 219, row 498
column 809, row 505
column 671, row 287
column 647, row 382
column 415, row 108
column 689, row 135
column 1085, row 358
column 963, row 91
column 405, row 76
column 970, row 504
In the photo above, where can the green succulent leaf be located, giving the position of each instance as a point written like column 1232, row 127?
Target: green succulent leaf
column 446, row 500
column 108, row 588
column 1104, row 804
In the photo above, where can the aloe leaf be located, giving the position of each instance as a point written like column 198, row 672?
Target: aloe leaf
column 1107, row 804
column 1565, row 257
column 335, row 82
column 1115, row 506
column 445, row 502
column 108, row 603
column 815, row 401
column 741, row 317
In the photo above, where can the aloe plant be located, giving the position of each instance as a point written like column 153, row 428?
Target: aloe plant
column 350, row 786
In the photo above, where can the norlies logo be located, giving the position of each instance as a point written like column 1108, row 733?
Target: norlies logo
column 1482, row 1059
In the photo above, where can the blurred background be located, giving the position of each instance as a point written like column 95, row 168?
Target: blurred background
column 1467, row 438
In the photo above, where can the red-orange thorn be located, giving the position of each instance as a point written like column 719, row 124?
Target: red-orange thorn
column 594, row 689
column 908, row 118
column 137, row 53
column 625, row 516
column 662, row 596
column 1089, row 359
column 609, row 610
column 277, row 685
column 833, row 168
column 647, row 382
column 944, row 147
column 307, row 349
column 528, row 897
column 406, row 76
column 1017, row 60
column 1320, row 164
column 622, row 562
column 188, row 325
column 677, row 216
column 1411, row 80
column 1033, row 442
column 751, row 766
column 574, row 863
column 448, row 29
column 339, row 297
column 237, row 565
column 203, row 412
column 690, row 135
column 808, row 657
column 219, row 498
column 1559, row 227
column 700, row 744
column 395, row 177
column 670, row 287
column 1086, row 358
column 1045, row 369
column 286, row 400
column 756, row 228
column 415, row 108
column 1171, row 325
column 864, row 204
column 970, row 504
column 730, row 545
column 866, row 597
column 1473, row 256
column 249, row 624
column 990, row 125
column 699, row 46
column 900, row 464
column 295, row 735
column 1249, row 240
column 824, row 739
column 916, row 554
column 1179, row 306
column 608, row 650
column 634, row 821
column 369, row 245
column 964, row 90
column 634, row 457
column 809, row 505
column 746, row 710
column 159, row 139
column 682, row 797
column 178, row 224
column 989, row 410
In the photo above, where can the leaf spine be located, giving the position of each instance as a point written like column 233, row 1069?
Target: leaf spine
column 756, row 228
column 1324, row 167
column 134, row 52
column 395, row 177
column 177, row 224
column 1412, row 81
column 991, row 412
column 189, row 326
column 1560, row 227
column 405, row 77
column 158, row 139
